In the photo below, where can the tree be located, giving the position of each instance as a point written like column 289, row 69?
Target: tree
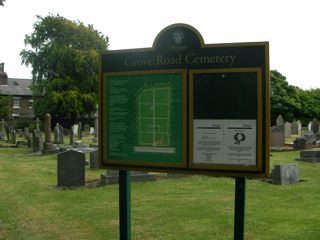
column 284, row 98
column 4, row 106
column 64, row 56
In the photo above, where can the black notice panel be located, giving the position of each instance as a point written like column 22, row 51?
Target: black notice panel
column 225, row 95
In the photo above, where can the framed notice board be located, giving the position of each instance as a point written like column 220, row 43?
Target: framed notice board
column 230, row 137
column 185, row 106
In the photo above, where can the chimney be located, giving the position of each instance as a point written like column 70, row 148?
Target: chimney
column 3, row 75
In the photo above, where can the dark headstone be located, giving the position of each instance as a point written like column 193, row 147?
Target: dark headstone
column 71, row 169
column 299, row 143
column 71, row 136
column 315, row 126
column 94, row 165
column 285, row 174
column 311, row 155
column 37, row 141
column 294, row 127
column 21, row 144
column 79, row 131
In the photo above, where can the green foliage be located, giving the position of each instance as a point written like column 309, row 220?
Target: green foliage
column 64, row 57
column 284, row 99
column 292, row 102
column 5, row 106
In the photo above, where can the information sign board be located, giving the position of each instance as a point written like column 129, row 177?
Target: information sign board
column 186, row 106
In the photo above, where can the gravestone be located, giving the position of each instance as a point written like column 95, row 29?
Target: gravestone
column 79, row 131
column 71, row 169
column 37, row 141
column 26, row 132
column 86, row 128
column 29, row 140
column 294, row 127
column 91, row 130
column 310, row 155
column 94, row 165
column 61, row 136
column 72, row 135
column 315, row 126
column 287, row 129
column 56, row 133
column 279, row 120
column 309, row 126
column 299, row 143
column 48, row 146
column 285, row 174
column 299, row 123
column 112, row 176
column 310, row 137
column 277, row 137
column 75, row 128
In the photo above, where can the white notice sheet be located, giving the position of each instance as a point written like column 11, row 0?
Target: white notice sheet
column 229, row 142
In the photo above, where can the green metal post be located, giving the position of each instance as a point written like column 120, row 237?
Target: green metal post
column 239, row 210
column 125, row 205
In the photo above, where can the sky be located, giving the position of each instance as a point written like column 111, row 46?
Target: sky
column 291, row 27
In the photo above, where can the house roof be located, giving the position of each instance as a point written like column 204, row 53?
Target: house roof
column 16, row 87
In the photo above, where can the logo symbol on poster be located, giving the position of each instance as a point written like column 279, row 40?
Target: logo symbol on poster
column 177, row 37
column 239, row 137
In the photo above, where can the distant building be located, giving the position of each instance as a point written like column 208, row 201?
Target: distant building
column 22, row 100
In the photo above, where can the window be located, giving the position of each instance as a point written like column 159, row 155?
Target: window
column 16, row 102
column 31, row 103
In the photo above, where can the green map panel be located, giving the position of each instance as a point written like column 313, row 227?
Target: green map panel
column 144, row 118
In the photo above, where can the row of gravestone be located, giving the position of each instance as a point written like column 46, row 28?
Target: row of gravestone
column 283, row 130
column 36, row 141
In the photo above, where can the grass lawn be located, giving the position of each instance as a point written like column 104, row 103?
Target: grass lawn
column 194, row 208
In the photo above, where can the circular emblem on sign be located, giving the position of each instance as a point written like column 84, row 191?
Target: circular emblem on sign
column 239, row 137
column 177, row 37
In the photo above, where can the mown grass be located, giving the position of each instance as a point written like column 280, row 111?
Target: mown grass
column 198, row 207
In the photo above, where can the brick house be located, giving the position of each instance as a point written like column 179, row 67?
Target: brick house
column 21, row 105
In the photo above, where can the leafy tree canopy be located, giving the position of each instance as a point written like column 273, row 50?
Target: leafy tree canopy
column 5, row 106
column 64, row 56
column 292, row 102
